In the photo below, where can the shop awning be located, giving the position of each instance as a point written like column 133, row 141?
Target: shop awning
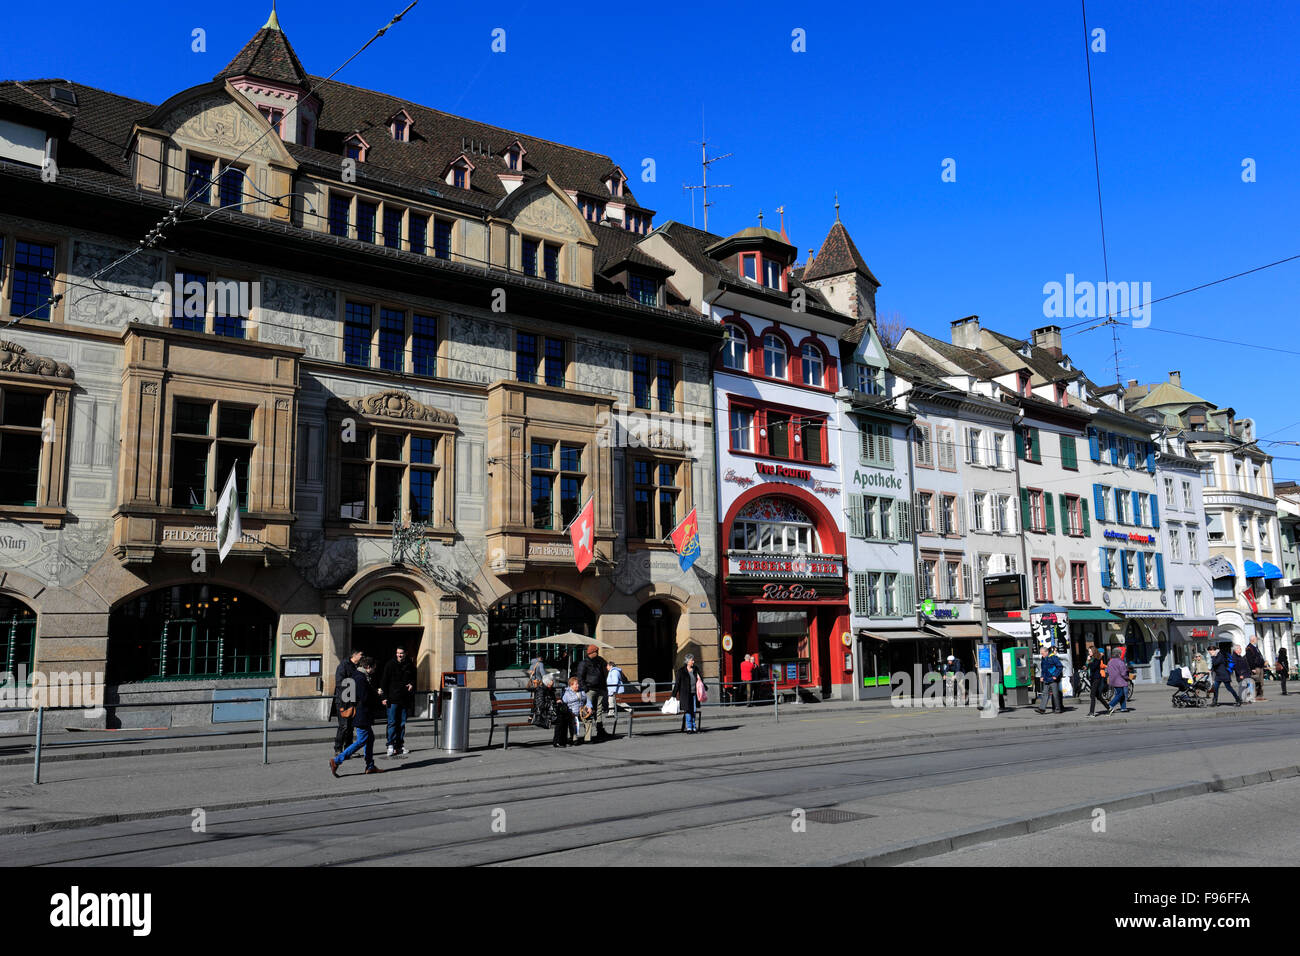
column 1272, row 572
column 1253, row 570
column 898, row 635
column 1129, row 614
column 1192, row 630
column 1091, row 614
column 1017, row 629
column 1220, row 567
column 1273, row 618
column 957, row 630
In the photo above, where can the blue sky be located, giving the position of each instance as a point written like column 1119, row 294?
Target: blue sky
column 882, row 96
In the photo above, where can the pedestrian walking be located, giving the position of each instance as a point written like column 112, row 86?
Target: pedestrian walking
column 951, row 671
column 685, row 690
column 1221, row 668
column 367, row 710
column 592, row 677
column 1255, row 661
column 1241, row 670
column 397, row 693
column 536, row 671
column 1117, row 678
column 746, row 679
column 1096, row 680
column 1050, row 668
column 1283, row 668
column 345, row 700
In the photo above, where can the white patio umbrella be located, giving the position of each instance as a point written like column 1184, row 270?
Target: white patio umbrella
column 569, row 637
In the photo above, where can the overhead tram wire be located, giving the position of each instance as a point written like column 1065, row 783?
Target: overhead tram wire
column 173, row 215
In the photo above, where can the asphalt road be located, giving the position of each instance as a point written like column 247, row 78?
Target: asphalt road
column 1247, row 827
column 702, row 810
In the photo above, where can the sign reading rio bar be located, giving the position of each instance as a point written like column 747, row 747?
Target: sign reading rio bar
column 804, row 566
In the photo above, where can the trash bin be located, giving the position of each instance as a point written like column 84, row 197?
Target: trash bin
column 455, row 719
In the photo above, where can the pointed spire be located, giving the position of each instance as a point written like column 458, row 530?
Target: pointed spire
column 786, row 238
column 760, row 219
column 837, row 205
column 268, row 56
column 273, row 22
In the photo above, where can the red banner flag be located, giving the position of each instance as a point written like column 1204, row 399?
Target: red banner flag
column 581, row 533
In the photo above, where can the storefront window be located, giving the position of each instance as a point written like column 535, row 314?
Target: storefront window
column 773, row 524
column 17, row 637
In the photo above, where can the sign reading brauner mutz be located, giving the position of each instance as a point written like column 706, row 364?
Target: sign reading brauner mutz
column 765, row 564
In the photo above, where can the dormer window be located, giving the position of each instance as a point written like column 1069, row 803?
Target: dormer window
column 643, row 289
column 354, row 147
column 749, row 266
column 1060, row 396
column 273, row 116
column 400, row 127
column 1025, row 391
column 458, row 172
column 513, row 156
column 593, row 210
column 615, row 183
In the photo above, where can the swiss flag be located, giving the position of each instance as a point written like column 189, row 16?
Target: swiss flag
column 581, row 533
column 1249, row 595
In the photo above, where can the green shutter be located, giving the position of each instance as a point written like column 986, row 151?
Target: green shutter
column 1025, row 523
column 1020, row 444
column 1035, row 446
column 1047, row 513
column 1065, row 514
column 1083, row 508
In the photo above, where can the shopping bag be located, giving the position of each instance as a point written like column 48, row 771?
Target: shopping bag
column 700, row 693
column 671, row 706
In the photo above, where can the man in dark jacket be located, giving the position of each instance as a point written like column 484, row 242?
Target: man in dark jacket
column 367, row 710
column 1255, row 661
column 1222, row 674
column 1283, row 668
column 1050, row 669
column 397, row 693
column 591, row 679
column 345, row 680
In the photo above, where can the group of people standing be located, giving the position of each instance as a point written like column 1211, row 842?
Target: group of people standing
column 581, row 704
column 359, row 698
column 1246, row 666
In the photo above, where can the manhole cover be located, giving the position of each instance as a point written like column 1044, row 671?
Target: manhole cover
column 836, row 816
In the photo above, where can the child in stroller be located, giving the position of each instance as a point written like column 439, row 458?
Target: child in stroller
column 1184, row 694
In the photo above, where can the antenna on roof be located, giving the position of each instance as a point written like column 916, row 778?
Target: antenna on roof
column 705, row 162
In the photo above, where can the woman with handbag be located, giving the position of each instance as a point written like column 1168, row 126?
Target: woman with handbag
column 686, row 688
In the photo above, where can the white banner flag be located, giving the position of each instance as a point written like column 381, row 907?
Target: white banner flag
column 228, row 527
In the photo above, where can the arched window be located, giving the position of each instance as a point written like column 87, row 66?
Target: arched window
column 774, row 524
column 735, row 348
column 774, row 357
column 812, row 366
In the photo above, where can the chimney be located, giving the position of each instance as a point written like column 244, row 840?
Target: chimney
column 966, row 332
column 1049, row 338
column 1176, row 378
column 1132, row 383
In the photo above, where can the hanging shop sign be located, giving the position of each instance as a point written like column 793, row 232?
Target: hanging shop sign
column 386, row 607
column 727, row 643
column 471, row 634
column 846, row 639
column 304, row 635
column 788, row 592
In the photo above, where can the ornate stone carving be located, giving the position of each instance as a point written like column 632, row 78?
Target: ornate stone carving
column 395, row 404
column 282, row 404
column 548, row 214
column 15, row 358
column 150, row 388
column 119, row 296
column 219, row 123
column 292, row 313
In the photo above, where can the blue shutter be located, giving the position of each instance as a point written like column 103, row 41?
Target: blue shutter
column 1155, row 512
column 1105, row 569
column 1141, row 570
column 1137, row 507
column 1160, row 571
column 1113, row 441
column 1151, row 459
column 1094, row 446
column 1099, row 499
column 1123, row 567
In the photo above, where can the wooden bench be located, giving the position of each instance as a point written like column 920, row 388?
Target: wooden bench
column 513, row 711
column 637, row 706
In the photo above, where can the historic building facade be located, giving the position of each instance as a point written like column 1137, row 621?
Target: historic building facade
column 418, row 345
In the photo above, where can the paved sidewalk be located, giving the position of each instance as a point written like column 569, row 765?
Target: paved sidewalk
column 159, row 783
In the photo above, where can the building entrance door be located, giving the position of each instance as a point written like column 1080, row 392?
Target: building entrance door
column 656, row 642
column 381, row 643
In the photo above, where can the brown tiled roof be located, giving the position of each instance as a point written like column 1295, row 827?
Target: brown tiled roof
column 1040, row 361
column 973, row 361
column 913, row 368
column 269, row 56
column 837, row 256
column 616, row 245
column 32, row 96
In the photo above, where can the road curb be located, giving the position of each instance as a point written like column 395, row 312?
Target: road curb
column 1022, row 826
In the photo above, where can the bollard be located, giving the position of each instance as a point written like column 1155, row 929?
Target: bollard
column 40, row 725
column 266, row 720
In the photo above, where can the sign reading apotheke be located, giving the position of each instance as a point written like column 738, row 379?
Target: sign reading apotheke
column 877, row 479
column 388, row 607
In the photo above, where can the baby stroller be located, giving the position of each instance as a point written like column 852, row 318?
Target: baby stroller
column 1184, row 694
